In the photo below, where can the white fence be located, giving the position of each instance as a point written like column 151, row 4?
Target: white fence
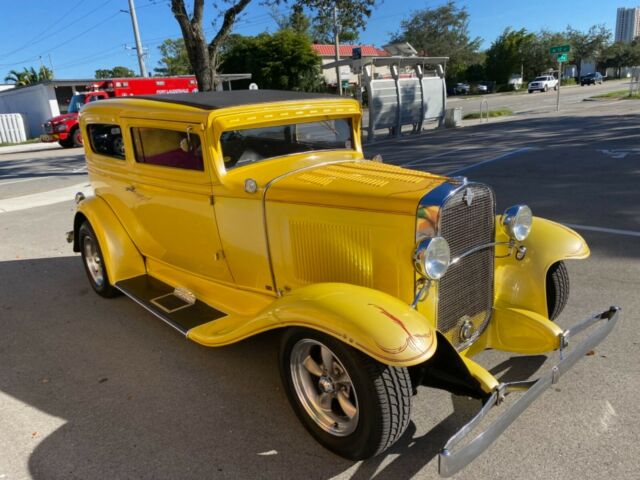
column 12, row 128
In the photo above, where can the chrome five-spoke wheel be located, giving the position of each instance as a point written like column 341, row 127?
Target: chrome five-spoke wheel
column 92, row 261
column 324, row 387
column 352, row 404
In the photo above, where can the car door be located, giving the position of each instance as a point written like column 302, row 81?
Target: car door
column 171, row 193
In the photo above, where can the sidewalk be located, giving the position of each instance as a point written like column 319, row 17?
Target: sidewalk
column 29, row 147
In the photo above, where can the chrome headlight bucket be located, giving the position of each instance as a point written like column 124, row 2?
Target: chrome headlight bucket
column 517, row 221
column 432, row 257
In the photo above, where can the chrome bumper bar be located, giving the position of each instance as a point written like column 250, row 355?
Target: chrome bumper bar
column 450, row 462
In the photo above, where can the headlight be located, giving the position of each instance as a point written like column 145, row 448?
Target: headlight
column 517, row 221
column 60, row 127
column 432, row 257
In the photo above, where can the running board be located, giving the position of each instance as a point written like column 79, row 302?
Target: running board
column 176, row 307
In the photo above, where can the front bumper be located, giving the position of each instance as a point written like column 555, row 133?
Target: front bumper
column 450, row 462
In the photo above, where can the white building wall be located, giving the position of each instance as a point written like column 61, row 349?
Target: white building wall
column 37, row 103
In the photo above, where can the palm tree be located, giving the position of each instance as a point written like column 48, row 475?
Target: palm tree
column 29, row 76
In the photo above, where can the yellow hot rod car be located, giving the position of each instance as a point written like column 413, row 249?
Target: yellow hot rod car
column 227, row 214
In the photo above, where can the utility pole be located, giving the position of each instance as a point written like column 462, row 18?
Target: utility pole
column 136, row 34
column 336, row 30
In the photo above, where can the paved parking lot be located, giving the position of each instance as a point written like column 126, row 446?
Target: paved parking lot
column 95, row 388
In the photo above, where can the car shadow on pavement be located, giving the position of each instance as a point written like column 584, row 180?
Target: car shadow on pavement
column 137, row 400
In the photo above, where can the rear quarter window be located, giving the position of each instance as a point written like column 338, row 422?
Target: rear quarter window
column 106, row 139
column 167, row 148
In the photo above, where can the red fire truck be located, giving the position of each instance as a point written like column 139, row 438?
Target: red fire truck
column 64, row 128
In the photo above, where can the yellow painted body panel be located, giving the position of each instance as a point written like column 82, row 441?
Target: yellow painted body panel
column 379, row 325
column 122, row 258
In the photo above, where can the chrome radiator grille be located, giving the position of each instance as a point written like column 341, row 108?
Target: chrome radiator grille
column 465, row 293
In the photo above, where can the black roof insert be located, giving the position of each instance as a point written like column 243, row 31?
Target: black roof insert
column 216, row 100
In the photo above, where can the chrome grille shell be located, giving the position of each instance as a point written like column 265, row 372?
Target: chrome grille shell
column 464, row 296
column 465, row 293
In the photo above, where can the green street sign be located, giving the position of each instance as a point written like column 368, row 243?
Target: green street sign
column 562, row 57
column 560, row 49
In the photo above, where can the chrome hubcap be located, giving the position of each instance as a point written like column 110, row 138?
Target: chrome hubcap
column 324, row 387
column 93, row 261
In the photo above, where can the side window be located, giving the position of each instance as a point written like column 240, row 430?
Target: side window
column 106, row 139
column 167, row 148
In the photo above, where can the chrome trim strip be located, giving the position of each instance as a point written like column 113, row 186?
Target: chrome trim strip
column 264, row 208
column 152, row 311
column 477, row 248
column 450, row 462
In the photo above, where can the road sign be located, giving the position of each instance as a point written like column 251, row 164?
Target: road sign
column 563, row 57
column 560, row 49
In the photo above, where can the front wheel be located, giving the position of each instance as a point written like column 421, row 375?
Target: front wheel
column 557, row 289
column 76, row 135
column 350, row 403
column 545, row 88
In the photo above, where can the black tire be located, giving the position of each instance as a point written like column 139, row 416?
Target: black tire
column 99, row 279
column 76, row 137
column 557, row 289
column 66, row 143
column 530, row 91
column 555, row 88
column 545, row 88
column 382, row 396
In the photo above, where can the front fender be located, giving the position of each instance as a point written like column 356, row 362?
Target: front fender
column 373, row 322
column 522, row 283
column 122, row 258
column 376, row 323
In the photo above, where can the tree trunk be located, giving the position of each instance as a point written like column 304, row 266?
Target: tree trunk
column 204, row 58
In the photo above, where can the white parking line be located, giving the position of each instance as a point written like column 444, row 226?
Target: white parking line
column 42, row 199
column 425, row 159
column 614, row 231
column 512, row 153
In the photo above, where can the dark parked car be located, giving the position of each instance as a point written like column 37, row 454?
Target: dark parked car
column 459, row 89
column 591, row 79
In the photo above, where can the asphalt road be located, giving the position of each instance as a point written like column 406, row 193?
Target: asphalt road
column 95, row 388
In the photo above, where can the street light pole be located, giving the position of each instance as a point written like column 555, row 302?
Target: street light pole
column 336, row 30
column 136, row 34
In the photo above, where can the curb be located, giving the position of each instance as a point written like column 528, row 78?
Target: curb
column 29, row 147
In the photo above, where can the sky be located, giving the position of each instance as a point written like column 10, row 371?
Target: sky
column 77, row 37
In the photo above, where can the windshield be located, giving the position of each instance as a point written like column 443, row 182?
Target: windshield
column 242, row 147
column 77, row 101
column 541, row 79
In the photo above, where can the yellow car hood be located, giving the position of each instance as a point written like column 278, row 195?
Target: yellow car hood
column 363, row 185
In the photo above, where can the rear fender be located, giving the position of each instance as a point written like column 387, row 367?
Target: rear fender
column 373, row 322
column 122, row 258
column 522, row 283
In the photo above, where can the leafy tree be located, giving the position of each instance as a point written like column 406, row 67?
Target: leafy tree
column 507, row 54
column 175, row 60
column 296, row 20
column 205, row 56
column 351, row 16
column 442, row 31
column 283, row 60
column 115, row 72
column 29, row 76
column 619, row 55
column 536, row 57
column 587, row 45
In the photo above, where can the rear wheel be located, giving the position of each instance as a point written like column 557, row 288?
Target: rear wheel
column 76, row 136
column 557, row 289
column 350, row 403
column 94, row 262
